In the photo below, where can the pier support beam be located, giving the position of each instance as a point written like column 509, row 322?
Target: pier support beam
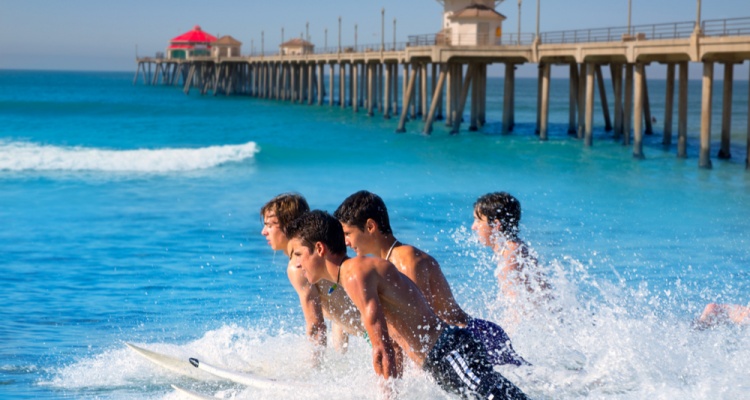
column 342, row 85
column 682, row 105
column 616, row 72
column 462, row 100
column 603, row 98
column 647, row 105
column 370, row 87
column 726, row 113
column 543, row 122
column 423, row 91
column 387, row 94
column 507, row 93
column 407, row 98
column 321, row 72
column 628, row 120
column 704, row 158
column 331, row 76
column 581, row 100
column 438, row 88
column 668, row 106
column 310, row 87
column 573, row 102
column 474, row 111
column 589, row 134
column 638, row 117
column 355, row 87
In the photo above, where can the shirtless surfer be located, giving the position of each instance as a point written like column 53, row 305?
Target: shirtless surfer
column 394, row 312
column 367, row 230
column 496, row 218
column 316, row 301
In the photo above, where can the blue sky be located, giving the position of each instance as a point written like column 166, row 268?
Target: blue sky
column 103, row 35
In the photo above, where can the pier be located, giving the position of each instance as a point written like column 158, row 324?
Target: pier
column 442, row 74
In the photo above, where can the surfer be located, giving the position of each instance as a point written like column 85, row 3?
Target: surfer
column 395, row 314
column 496, row 218
column 367, row 230
column 316, row 301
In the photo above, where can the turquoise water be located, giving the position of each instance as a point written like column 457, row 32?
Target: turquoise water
column 130, row 213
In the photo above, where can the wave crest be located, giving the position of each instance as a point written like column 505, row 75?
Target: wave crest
column 21, row 156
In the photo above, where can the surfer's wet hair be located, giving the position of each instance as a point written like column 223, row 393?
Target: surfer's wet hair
column 318, row 226
column 286, row 207
column 357, row 208
column 501, row 207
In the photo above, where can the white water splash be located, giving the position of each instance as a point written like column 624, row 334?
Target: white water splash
column 23, row 156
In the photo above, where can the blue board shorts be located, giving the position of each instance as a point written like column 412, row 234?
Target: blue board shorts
column 459, row 364
column 496, row 342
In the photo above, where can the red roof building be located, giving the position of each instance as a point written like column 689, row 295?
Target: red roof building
column 192, row 43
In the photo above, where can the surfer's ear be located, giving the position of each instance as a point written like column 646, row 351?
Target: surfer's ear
column 370, row 225
column 320, row 248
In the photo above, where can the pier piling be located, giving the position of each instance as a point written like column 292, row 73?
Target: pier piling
column 726, row 113
column 588, row 137
column 682, row 111
column 668, row 106
column 638, row 111
column 704, row 160
column 544, row 112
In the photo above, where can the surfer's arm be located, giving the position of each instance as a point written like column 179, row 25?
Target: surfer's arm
column 363, row 291
column 309, row 298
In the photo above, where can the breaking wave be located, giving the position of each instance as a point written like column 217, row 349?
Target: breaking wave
column 24, row 156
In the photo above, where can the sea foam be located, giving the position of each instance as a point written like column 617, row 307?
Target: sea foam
column 25, row 156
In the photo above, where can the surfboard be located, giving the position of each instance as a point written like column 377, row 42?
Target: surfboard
column 190, row 394
column 173, row 364
column 243, row 378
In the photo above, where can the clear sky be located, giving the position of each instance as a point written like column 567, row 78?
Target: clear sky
column 104, row 34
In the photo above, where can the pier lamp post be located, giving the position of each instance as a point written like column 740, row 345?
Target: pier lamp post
column 262, row 43
column 382, row 29
column 630, row 8
column 325, row 46
column 537, row 19
column 355, row 37
column 518, row 39
column 282, row 39
column 339, row 34
column 394, row 34
column 307, row 31
column 252, row 47
column 698, row 19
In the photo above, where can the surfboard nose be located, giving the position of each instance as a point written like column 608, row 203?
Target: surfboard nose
column 194, row 361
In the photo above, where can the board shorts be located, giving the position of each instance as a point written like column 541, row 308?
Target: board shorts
column 458, row 362
column 495, row 341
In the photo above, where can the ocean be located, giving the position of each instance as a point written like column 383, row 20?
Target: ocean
column 130, row 213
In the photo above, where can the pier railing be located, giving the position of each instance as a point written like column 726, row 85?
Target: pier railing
column 673, row 30
column 726, row 27
column 470, row 39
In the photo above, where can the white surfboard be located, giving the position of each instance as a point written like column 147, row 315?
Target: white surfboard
column 190, row 394
column 181, row 367
column 243, row 378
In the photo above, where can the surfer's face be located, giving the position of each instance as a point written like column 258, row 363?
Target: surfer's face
column 272, row 231
column 483, row 229
column 355, row 238
column 301, row 256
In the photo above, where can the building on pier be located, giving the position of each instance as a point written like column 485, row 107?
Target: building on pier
column 193, row 43
column 471, row 22
column 226, row 46
column 296, row 47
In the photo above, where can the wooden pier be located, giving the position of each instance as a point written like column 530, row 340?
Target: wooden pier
column 439, row 79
